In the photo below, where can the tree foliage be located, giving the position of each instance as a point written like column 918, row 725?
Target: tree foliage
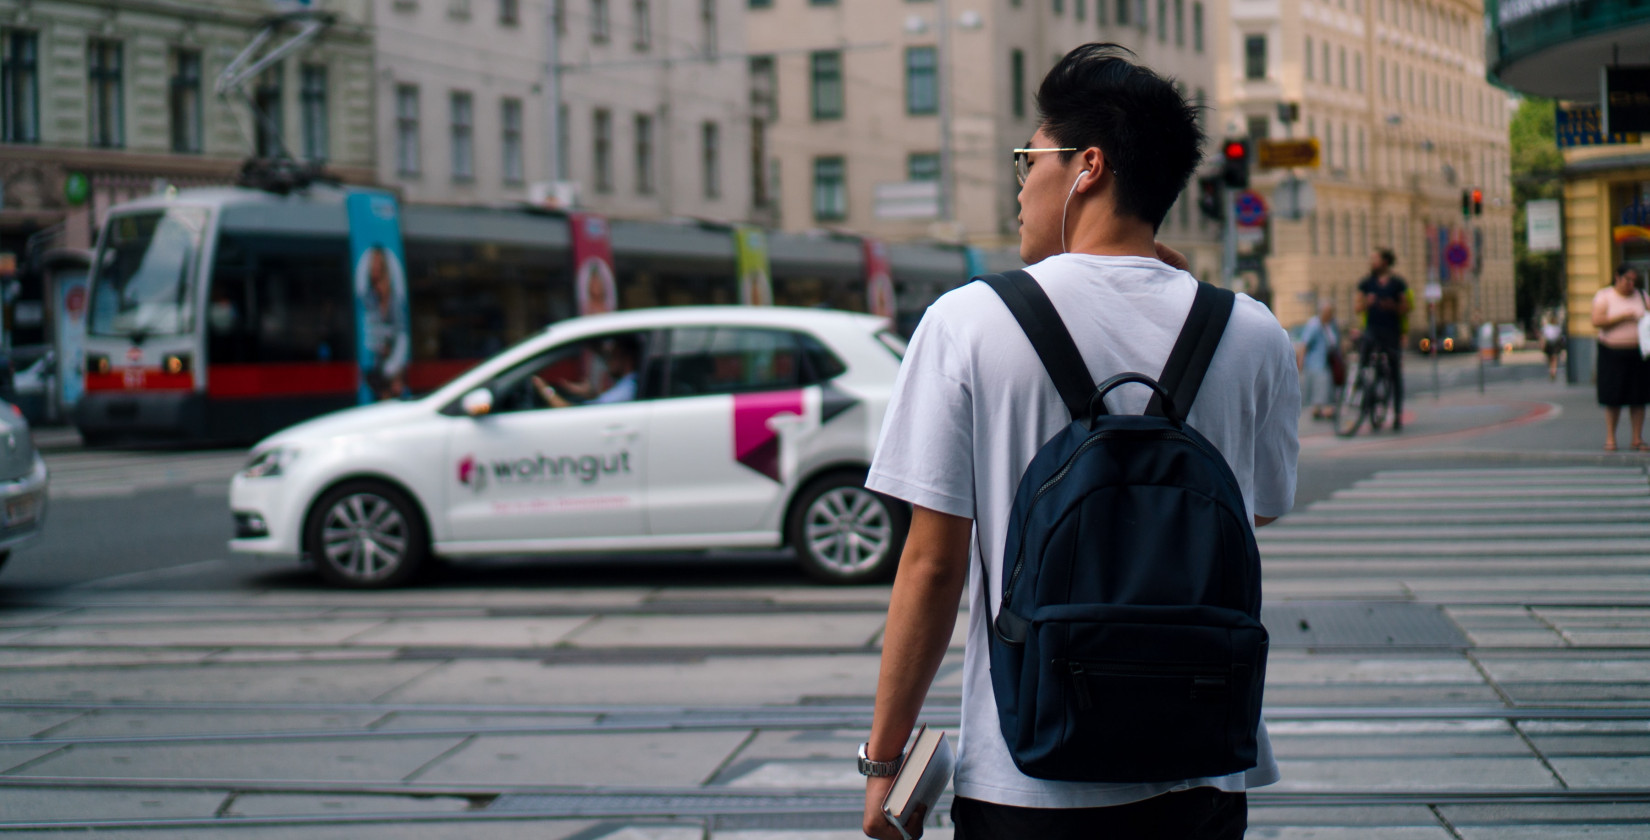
column 1537, row 173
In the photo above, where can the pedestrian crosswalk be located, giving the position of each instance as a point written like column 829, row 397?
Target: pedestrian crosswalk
column 90, row 474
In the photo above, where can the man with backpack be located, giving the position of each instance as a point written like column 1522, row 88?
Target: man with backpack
column 1114, row 660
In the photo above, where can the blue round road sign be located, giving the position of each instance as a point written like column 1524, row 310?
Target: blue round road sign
column 1457, row 255
column 1251, row 209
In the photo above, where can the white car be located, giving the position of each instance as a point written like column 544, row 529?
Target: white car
column 664, row 429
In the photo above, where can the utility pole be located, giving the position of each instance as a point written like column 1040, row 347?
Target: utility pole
column 942, row 90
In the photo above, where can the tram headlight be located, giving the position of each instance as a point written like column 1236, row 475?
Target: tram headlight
column 270, row 462
column 97, row 364
column 175, row 364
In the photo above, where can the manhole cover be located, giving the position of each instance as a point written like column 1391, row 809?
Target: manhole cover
column 1360, row 624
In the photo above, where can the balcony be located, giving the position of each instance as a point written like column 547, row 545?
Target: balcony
column 1554, row 48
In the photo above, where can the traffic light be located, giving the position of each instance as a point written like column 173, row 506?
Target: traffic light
column 1235, row 172
column 1208, row 198
column 1466, row 204
column 1477, row 201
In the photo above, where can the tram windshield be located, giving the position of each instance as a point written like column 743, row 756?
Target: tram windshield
column 142, row 283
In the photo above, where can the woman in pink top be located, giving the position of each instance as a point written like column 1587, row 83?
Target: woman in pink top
column 1623, row 374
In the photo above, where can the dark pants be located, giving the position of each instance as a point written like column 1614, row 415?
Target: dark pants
column 1394, row 347
column 1197, row 814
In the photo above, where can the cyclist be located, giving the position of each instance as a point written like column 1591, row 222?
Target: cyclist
column 1384, row 301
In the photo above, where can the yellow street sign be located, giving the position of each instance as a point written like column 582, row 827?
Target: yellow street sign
column 1280, row 154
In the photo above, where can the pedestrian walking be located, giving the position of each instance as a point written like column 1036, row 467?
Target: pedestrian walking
column 1552, row 343
column 1315, row 354
column 1384, row 301
column 1623, row 374
column 974, row 403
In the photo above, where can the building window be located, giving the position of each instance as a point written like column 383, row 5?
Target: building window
column 1311, row 67
column 268, row 108
column 1202, row 108
column 1254, row 57
column 1017, row 82
column 312, row 96
column 107, row 127
column 827, row 85
column 463, row 130
column 1197, row 27
column 564, row 142
column 19, row 89
column 922, row 166
column 1059, row 7
column 1162, row 21
column 1329, row 230
column 509, row 12
column 707, row 25
column 644, row 153
column 1312, row 230
column 830, row 189
column 510, row 132
column 1180, row 23
column 1358, row 72
column 184, row 101
column 1342, row 54
column 644, row 24
column 600, row 24
column 1080, row 9
column 1380, row 70
column 761, row 4
column 764, row 88
column 1328, row 69
column 1123, row 7
column 711, row 142
column 1260, row 127
column 920, row 93
column 1362, row 166
column 406, row 129
column 603, row 147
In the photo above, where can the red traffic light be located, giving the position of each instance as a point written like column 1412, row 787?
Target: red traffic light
column 1477, row 196
column 1236, row 150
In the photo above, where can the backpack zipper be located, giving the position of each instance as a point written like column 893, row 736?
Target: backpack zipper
column 1019, row 551
column 1206, row 679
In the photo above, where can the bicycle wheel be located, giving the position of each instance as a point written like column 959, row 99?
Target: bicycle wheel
column 1380, row 395
column 1353, row 404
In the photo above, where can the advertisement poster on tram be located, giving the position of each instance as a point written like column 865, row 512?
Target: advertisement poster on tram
column 974, row 261
column 71, row 336
column 593, row 282
column 755, row 277
column 382, row 311
column 879, row 279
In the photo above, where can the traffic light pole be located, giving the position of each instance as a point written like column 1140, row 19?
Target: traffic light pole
column 1228, row 255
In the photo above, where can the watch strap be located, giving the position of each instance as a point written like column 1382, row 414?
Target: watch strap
column 867, row 767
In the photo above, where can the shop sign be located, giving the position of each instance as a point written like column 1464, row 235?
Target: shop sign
column 1581, row 125
column 1625, row 92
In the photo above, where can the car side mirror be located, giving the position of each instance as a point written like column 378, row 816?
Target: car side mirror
column 478, row 403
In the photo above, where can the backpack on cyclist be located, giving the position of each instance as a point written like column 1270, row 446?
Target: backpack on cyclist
column 1128, row 645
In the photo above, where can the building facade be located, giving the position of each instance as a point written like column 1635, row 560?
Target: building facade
column 1395, row 93
column 103, row 102
column 857, row 98
column 1556, row 50
column 654, row 117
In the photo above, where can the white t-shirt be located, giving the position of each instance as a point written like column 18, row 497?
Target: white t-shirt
column 973, row 404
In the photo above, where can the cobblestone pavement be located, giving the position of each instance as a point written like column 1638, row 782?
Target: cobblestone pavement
column 1457, row 654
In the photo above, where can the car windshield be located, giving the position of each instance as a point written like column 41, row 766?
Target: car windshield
column 142, row 281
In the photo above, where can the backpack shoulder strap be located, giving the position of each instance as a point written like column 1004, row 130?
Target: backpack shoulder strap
column 1042, row 325
column 1194, row 349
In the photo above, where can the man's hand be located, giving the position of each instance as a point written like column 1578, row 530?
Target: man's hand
column 1174, row 258
column 875, row 824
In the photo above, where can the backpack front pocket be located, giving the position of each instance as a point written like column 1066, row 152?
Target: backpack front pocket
column 1143, row 694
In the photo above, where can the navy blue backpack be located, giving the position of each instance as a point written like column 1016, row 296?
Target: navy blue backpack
column 1128, row 645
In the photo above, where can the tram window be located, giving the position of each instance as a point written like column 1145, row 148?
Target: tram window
column 472, row 299
column 280, row 299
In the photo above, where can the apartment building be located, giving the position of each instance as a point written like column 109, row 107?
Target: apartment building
column 851, row 94
column 653, row 117
column 104, row 101
column 1395, row 92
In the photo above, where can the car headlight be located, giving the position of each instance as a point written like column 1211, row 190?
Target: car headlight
column 270, row 462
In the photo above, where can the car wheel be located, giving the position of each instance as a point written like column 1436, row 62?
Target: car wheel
column 366, row 535
column 843, row 533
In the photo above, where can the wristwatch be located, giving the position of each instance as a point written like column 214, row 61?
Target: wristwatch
column 867, row 767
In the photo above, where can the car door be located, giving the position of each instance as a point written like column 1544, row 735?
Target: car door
column 530, row 473
column 716, row 455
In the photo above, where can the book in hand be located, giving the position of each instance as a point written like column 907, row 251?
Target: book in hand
column 921, row 780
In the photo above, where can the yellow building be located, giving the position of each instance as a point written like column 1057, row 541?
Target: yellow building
column 1395, row 93
column 1556, row 50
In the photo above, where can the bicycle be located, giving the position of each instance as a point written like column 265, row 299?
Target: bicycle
column 1368, row 394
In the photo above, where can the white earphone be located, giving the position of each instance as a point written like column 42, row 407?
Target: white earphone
column 1066, row 206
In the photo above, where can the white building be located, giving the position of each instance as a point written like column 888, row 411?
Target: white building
column 654, row 104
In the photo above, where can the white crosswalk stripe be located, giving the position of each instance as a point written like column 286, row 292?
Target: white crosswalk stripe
column 105, row 474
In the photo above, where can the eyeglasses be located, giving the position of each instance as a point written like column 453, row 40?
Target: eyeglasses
column 1022, row 162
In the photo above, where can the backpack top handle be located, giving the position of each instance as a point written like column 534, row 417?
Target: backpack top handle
column 1097, row 403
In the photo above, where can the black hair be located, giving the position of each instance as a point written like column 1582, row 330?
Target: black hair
column 1096, row 96
column 1388, row 258
column 1621, row 270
